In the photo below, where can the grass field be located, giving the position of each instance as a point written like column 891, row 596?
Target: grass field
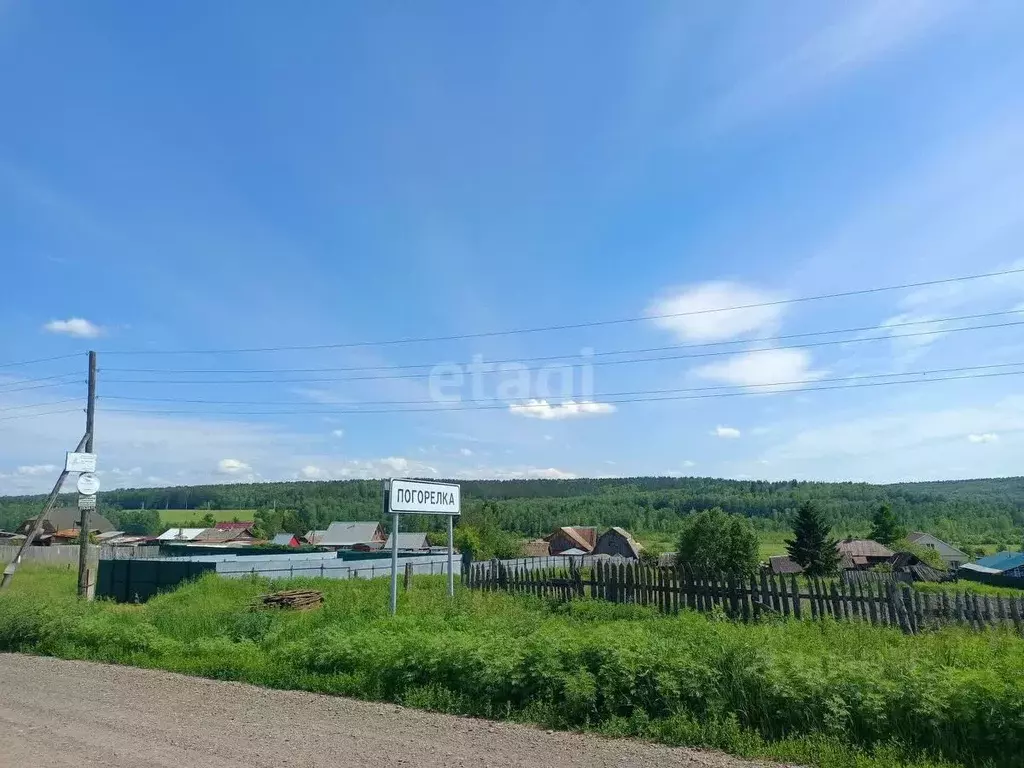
column 178, row 517
column 829, row 694
column 771, row 543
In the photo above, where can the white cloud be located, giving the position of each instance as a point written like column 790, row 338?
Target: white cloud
column 312, row 472
column 232, row 466
column 465, row 452
column 515, row 473
column 762, row 368
column 338, row 433
column 33, row 470
column 687, row 463
column 541, row 409
column 833, row 49
column 728, row 433
column 701, row 313
column 985, row 437
column 74, row 326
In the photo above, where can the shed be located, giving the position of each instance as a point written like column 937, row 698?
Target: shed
column 225, row 536
column 536, row 548
column 410, row 542
column 66, row 519
column 617, row 541
column 1009, row 564
column 286, row 540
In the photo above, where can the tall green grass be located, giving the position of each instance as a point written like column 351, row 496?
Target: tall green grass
column 831, row 694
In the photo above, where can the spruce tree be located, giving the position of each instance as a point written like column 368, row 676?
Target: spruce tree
column 812, row 546
column 885, row 528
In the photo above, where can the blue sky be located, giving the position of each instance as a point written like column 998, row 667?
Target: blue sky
column 235, row 175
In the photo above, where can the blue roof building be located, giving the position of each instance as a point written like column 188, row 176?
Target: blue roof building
column 1002, row 566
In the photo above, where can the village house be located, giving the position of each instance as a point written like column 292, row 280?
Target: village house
column 363, row 536
column 573, row 540
column 1002, row 568
column 951, row 556
column 617, row 542
column 61, row 526
column 784, row 565
column 409, row 542
column 287, row 540
column 862, row 554
column 222, row 536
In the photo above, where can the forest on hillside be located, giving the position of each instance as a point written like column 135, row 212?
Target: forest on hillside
column 965, row 512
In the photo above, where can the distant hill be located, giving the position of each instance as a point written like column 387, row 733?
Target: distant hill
column 963, row 511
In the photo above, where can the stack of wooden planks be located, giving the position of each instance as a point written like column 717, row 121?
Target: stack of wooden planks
column 299, row 599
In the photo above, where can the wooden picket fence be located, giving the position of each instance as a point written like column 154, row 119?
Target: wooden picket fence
column 673, row 589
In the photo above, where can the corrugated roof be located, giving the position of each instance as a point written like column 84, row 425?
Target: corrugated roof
column 574, row 536
column 1001, row 561
column 573, row 551
column 284, row 539
column 348, row 534
column 410, row 541
column 180, row 534
column 65, row 518
column 863, row 548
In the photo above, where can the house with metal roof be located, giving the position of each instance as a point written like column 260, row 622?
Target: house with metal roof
column 409, row 542
column 286, row 540
column 179, row 534
column 352, row 535
column 1000, row 567
column 952, row 556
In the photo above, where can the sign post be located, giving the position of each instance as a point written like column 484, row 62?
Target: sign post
column 421, row 497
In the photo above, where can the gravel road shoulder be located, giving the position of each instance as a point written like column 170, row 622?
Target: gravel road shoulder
column 72, row 713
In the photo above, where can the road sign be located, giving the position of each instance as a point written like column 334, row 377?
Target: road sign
column 424, row 498
column 88, row 484
column 80, row 462
column 87, row 502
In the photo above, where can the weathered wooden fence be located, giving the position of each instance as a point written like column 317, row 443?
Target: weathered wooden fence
column 673, row 589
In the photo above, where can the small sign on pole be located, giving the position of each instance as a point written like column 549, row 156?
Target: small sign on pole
column 88, row 484
column 87, row 502
column 421, row 497
column 76, row 461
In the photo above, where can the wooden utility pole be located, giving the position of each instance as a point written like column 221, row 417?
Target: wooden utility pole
column 37, row 526
column 83, row 533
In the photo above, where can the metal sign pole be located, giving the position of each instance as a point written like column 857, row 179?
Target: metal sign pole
column 394, row 564
column 451, row 556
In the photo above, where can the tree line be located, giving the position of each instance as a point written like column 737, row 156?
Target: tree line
column 963, row 512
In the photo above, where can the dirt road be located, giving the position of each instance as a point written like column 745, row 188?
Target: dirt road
column 68, row 713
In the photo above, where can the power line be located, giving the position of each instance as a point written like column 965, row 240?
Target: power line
column 733, row 342
column 572, row 326
column 39, row 360
column 44, row 413
column 628, row 361
column 41, row 378
column 39, row 386
column 535, row 405
column 771, row 385
column 40, row 405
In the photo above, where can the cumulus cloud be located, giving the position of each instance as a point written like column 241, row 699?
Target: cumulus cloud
column 542, row 409
column 78, row 327
column 984, row 437
column 232, row 467
column 515, row 473
column 312, row 472
column 33, row 470
column 338, row 432
column 764, row 368
column 716, row 311
column 728, row 433
column 687, row 463
column 465, row 452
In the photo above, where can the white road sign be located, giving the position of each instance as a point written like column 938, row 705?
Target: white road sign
column 87, row 502
column 423, row 498
column 88, row 484
column 80, row 462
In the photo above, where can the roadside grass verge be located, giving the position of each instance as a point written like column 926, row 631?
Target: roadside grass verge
column 824, row 693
